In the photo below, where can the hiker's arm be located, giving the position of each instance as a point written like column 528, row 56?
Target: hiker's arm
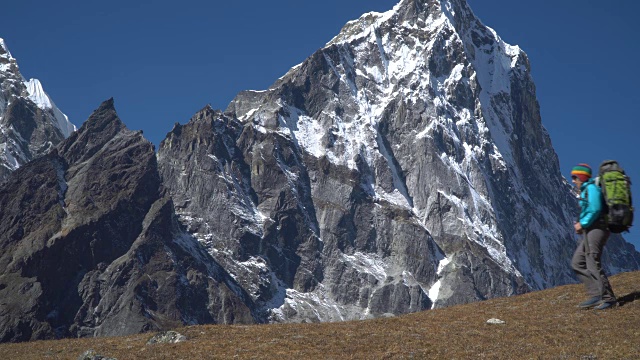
column 594, row 207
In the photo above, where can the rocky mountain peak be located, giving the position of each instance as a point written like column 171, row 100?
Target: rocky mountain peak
column 206, row 114
column 101, row 127
column 417, row 16
column 30, row 123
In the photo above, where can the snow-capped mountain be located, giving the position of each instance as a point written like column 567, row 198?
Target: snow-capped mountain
column 401, row 167
column 30, row 123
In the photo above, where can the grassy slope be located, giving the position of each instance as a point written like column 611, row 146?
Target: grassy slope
column 544, row 324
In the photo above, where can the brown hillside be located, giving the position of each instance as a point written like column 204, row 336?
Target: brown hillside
column 539, row 325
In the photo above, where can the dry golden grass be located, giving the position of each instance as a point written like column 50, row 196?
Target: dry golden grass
column 539, row 325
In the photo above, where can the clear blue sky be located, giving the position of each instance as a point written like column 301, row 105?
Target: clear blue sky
column 162, row 60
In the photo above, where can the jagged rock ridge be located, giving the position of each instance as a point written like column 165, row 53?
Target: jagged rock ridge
column 90, row 245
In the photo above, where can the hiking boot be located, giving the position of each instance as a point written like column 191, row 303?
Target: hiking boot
column 605, row 305
column 590, row 303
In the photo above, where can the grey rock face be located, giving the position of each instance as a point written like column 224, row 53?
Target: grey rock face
column 30, row 123
column 300, row 233
column 90, row 245
column 255, row 227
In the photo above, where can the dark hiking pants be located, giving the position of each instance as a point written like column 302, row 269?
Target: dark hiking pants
column 586, row 264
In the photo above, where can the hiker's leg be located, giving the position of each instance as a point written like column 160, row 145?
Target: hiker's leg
column 597, row 239
column 589, row 278
column 579, row 265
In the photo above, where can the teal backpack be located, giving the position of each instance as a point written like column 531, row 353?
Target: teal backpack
column 616, row 189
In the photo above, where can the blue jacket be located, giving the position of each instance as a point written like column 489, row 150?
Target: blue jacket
column 591, row 203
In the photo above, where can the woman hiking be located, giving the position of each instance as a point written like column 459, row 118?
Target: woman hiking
column 593, row 228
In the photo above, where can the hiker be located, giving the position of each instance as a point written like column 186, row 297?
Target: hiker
column 593, row 228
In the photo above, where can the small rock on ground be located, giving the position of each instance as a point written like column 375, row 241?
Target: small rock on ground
column 91, row 355
column 167, row 337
